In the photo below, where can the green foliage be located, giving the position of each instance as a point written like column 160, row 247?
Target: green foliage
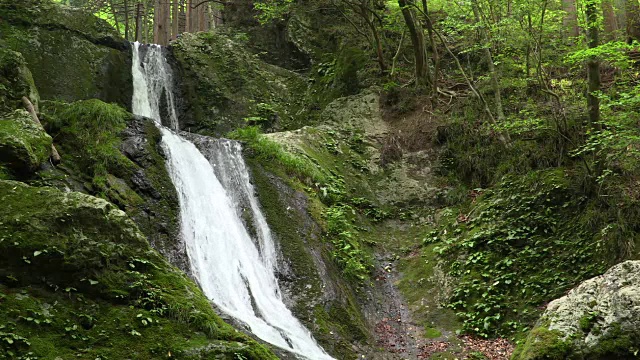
column 272, row 10
column 347, row 249
column 264, row 116
column 89, row 134
column 269, row 150
column 614, row 53
column 496, row 256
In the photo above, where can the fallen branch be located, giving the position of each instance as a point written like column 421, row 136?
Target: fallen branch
column 55, row 156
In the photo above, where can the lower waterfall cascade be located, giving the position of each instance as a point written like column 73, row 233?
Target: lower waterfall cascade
column 234, row 271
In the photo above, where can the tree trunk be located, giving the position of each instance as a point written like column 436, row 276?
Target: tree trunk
column 139, row 8
column 364, row 12
column 202, row 18
column 55, row 156
column 493, row 72
column 621, row 14
column 593, row 65
column 161, row 22
column 417, row 39
column 434, row 47
column 175, row 24
column 187, row 17
column 115, row 16
column 126, row 20
column 610, row 21
column 570, row 21
column 145, row 23
column 632, row 10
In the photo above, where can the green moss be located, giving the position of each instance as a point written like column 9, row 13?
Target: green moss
column 267, row 150
column 82, row 269
column 587, row 321
column 432, row 333
column 422, row 285
column 16, row 81
column 223, row 88
column 544, row 344
column 73, row 55
column 89, row 136
column 24, row 145
column 616, row 344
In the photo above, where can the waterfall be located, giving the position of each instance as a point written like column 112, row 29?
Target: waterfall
column 233, row 270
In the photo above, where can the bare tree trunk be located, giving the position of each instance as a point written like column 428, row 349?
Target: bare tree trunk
column 593, row 65
column 493, row 72
column 417, row 39
column 175, row 24
column 55, row 156
column 610, row 21
column 202, row 18
column 376, row 37
column 115, row 16
column 570, row 21
column 126, row 20
column 161, row 22
column 621, row 13
column 187, row 17
column 434, row 47
column 145, row 23
column 139, row 30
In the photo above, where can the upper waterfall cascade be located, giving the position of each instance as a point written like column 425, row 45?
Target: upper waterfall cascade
column 234, row 271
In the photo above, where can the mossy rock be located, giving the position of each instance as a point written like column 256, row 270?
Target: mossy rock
column 596, row 320
column 223, row 84
column 16, row 80
column 24, row 145
column 117, row 156
column 79, row 279
column 72, row 54
column 543, row 344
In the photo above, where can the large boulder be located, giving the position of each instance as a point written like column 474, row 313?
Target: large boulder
column 78, row 279
column 24, row 145
column 16, row 80
column 72, row 54
column 599, row 319
column 224, row 84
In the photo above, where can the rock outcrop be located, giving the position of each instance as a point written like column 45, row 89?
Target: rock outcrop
column 78, row 279
column 223, row 84
column 24, row 145
column 599, row 319
column 72, row 54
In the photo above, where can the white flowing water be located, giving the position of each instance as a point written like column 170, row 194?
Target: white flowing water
column 234, row 272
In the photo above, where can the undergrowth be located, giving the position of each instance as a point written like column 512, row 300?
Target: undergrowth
column 497, row 249
column 89, row 134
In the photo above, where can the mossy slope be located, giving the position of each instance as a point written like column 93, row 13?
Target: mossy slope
column 79, row 279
